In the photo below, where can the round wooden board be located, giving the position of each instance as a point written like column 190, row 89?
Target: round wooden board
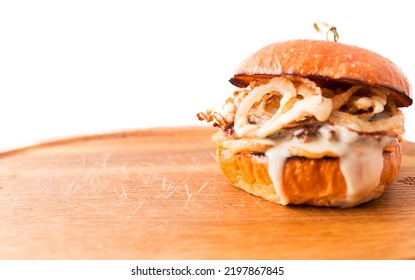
column 158, row 194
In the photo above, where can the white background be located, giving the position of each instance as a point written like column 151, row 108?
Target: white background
column 70, row 68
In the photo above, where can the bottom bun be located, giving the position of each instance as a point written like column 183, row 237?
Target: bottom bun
column 318, row 182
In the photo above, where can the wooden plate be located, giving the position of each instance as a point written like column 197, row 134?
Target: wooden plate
column 158, row 194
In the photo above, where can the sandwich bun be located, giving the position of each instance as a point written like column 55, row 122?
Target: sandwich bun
column 343, row 165
column 327, row 61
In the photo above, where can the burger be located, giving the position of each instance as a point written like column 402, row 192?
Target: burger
column 312, row 122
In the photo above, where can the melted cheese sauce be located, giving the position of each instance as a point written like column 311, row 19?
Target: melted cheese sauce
column 317, row 106
column 361, row 162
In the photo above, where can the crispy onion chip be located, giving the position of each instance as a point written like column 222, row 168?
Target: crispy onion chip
column 393, row 125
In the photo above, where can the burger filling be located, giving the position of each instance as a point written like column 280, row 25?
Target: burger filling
column 293, row 116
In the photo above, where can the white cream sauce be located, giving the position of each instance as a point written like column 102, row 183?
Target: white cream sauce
column 362, row 167
column 361, row 162
column 317, row 106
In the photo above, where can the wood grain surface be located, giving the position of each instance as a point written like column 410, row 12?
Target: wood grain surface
column 158, row 194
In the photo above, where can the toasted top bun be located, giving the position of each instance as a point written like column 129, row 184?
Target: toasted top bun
column 323, row 60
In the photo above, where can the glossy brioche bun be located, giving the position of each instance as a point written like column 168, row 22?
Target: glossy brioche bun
column 326, row 61
column 316, row 182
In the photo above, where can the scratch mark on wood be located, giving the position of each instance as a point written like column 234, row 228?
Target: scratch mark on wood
column 123, row 196
column 187, row 201
column 139, row 204
column 226, row 205
column 189, row 194
column 12, row 205
column 124, row 193
column 180, row 157
column 90, row 175
column 169, row 194
column 69, row 189
column 163, row 183
column 332, row 212
column 170, row 186
column 201, row 188
column 186, row 187
column 124, row 172
column 150, row 164
column 92, row 180
column 187, row 178
column 142, row 176
column 105, row 158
